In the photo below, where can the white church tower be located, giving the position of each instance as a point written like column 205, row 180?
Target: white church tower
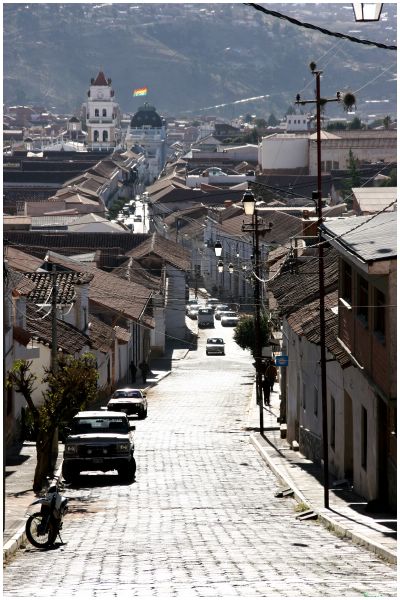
column 102, row 115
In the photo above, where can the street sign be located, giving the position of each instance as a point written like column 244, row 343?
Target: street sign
column 282, row 360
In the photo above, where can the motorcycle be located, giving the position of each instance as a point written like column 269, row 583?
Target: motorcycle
column 43, row 527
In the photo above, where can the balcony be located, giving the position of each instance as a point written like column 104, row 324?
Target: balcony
column 100, row 121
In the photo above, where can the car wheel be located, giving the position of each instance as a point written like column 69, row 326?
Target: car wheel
column 127, row 473
column 69, row 474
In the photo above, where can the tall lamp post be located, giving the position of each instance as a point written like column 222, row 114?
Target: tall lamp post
column 249, row 205
column 348, row 100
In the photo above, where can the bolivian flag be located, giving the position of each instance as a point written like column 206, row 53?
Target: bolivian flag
column 140, row 92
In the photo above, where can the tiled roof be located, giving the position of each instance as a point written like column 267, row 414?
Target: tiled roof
column 294, row 290
column 65, row 284
column 374, row 199
column 109, row 291
column 22, row 261
column 19, row 283
column 101, row 335
column 69, row 339
column 123, row 335
column 312, row 332
column 133, row 271
column 104, row 168
column 166, row 250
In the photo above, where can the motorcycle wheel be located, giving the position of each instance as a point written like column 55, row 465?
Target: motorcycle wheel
column 36, row 538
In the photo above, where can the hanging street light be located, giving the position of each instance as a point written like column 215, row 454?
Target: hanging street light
column 218, row 249
column 220, row 266
column 230, row 268
column 249, row 203
column 367, row 11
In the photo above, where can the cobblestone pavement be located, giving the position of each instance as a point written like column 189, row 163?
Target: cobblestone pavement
column 202, row 519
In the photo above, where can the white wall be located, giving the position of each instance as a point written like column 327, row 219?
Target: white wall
column 284, row 151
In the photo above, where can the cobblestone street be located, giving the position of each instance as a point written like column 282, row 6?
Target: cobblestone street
column 201, row 519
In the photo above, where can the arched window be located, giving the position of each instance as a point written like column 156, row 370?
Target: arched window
column 105, row 136
column 96, row 112
column 104, row 112
column 96, row 135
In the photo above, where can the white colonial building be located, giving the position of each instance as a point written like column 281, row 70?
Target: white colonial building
column 148, row 130
column 101, row 115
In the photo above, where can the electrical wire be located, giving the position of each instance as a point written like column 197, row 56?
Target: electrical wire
column 342, row 36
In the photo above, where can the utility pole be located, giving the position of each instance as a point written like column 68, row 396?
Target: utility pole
column 54, row 319
column 317, row 196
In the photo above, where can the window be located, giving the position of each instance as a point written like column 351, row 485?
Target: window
column 322, row 165
column 364, row 437
column 105, row 136
column 96, row 135
column 362, row 300
column 346, row 282
column 379, row 314
column 335, row 164
column 329, row 165
column 333, row 423
column 96, row 112
column 315, row 401
column 304, row 396
column 104, row 112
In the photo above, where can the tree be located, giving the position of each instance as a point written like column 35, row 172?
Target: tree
column 260, row 123
column 272, row 120
column 70, row 389
column 245, row 330
column 356, row 123
column 387, row 121
column 353, row 180
column 392, row 181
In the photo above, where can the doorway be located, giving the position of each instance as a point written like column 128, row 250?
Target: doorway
column 348, row 437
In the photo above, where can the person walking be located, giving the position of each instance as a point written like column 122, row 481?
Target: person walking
column 133, row 371
column 270, row 375
column 144, row 368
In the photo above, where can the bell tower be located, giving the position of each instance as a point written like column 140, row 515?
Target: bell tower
column 102, row 115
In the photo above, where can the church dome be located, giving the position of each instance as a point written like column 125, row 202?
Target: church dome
column 146, row 115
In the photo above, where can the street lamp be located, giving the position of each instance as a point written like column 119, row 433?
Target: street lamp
column 218, row 249
column 220, row 266
column 367, row 11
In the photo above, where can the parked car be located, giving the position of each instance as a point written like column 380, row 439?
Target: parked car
column 213, row 302
column 218, row 309
column 215, row 346
column 192, row 304
column 99, row 441
column 193, row 312
column 205, row 317
column 229, row 319
column 130, row 401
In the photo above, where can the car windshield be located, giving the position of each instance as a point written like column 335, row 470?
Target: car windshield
column 127, row 394
column 215, row 341
column 229, row 314
column 100, row 425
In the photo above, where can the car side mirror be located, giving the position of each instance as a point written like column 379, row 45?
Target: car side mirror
column 132, row 427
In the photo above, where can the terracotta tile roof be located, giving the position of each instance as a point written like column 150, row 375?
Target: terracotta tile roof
column 166, row 250
column 123, row 335
column 131, row 270
column 65, row 283
column 69, row 339
column 312, row 332
column 22, row 261
column 101, row 335
column 19, row 283
column 300, row 318
column 109, row 291
column 292, row 291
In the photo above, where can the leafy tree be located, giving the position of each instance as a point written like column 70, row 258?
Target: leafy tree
column 353, row 180
column 336, row 125
column 116, row 207
column 261, row 123
column 244, row 334
column 71, row 388
column 248, row 118
column 356, row 123
column 272, row 120
column 386, row 121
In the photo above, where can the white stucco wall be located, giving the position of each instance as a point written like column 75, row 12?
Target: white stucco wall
column 284, row 151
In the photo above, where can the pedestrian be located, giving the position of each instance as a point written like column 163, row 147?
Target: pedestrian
column 133, row 370
column 144, row 368
column 269, row 379
column 266, row 388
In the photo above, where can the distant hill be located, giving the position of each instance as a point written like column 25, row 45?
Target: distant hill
column 193, row 56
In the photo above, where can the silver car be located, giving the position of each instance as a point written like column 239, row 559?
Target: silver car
column 229, row 319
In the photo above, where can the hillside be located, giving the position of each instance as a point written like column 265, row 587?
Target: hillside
column 192, row 56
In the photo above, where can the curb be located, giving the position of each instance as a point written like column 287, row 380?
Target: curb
column 323, row 515
column 19, row 538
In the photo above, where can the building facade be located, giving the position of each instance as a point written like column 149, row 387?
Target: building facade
column 101, row 115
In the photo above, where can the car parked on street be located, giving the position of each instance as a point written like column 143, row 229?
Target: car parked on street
column 99, row 441
column 193, row 303
column 205, row 317
column 131, row 401
column 213, row 302
column 193, row 312
column 220, row 308
column 229, row 319
column 215, row 346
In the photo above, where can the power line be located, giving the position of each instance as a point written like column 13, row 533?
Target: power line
column 342, row 36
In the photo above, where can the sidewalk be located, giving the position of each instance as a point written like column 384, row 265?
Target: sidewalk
column 346, row 515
